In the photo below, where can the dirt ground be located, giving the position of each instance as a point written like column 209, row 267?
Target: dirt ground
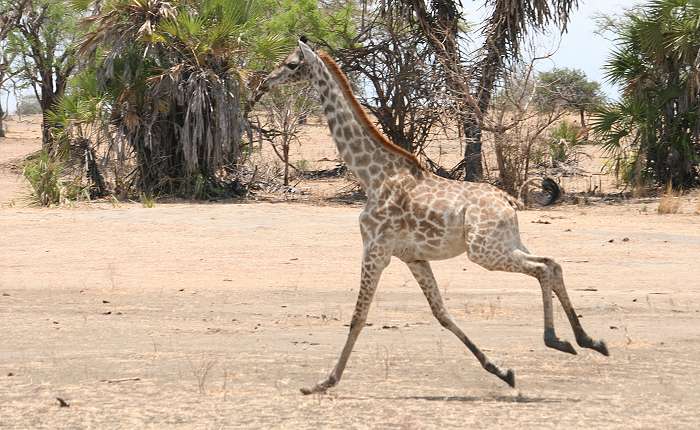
column 214, row 315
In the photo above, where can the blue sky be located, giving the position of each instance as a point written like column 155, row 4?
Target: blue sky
column 581, row 48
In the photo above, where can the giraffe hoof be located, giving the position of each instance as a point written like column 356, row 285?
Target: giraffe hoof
column 509, row 378
column 596, row 345
column 601, row 347
column 560, row 345
column 315, row 389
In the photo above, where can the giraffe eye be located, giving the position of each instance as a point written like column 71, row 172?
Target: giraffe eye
column 292, row 66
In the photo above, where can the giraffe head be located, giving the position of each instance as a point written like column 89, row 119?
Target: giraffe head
column 296, row 67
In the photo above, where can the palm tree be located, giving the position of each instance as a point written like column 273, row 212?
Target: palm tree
column 503, row 32
column 654, row 130
column 174, row 71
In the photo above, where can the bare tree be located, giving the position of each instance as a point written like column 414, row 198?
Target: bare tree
column 45, row 51
column 401, row 78
column 472, row 78
column 285, row 110
column 518, row 126
column 10, row 14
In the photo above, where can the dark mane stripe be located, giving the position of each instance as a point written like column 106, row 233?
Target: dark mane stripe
column 360, row 113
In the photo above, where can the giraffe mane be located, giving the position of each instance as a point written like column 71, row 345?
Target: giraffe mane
column 361, row 115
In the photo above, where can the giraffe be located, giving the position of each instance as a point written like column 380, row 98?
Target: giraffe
column 417, row 217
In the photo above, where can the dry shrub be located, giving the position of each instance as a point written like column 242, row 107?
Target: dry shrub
column 670, row 202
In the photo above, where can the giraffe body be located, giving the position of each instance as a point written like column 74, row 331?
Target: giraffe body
column 417, row 216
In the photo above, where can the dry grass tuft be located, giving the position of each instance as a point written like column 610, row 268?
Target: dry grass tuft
column 670, row 202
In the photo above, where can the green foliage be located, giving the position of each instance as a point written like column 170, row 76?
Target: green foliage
column 147, row 200
column 331, row 24
column 171, row 77
column 564, row 142
column 43, row 172
column 44, row 176
column 655, row 127
column 43, row 44
column 302, row 165
column 567, row 88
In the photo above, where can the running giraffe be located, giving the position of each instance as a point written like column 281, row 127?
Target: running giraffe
column 417, row 216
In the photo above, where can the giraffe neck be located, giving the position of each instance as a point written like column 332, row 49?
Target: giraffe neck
column 365, row 152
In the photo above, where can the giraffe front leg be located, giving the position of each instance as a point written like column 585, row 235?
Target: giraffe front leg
column 374, row 261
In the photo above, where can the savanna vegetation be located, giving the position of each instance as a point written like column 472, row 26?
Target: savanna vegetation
column 653, row 131
column 151, row 97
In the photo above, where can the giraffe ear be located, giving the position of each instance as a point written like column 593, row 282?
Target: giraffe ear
column 309, row 55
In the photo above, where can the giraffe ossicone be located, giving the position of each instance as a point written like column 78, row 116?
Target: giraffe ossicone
column 417, row 217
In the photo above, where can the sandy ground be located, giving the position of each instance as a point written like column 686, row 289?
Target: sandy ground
column 214, row 315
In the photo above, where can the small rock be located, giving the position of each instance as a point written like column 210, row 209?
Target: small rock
column 611, row 241
column 62, row 403
column 625, row 239
column 5, row 295
column 107, row 313
column 613, row 327
column 10, row 374
column 105, row 301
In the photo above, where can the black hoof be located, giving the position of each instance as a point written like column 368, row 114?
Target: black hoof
column 601, row 347
column 560, row 345
column 509, row 378
column 596, row 345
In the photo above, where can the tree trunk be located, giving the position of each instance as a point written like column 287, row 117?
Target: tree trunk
column 498, row 139
column 285, row 154
column 2, row 117
column 473, row 167
column 47, row 101
column 583, row 118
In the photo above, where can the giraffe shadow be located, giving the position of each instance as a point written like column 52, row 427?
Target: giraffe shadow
column 520, row 398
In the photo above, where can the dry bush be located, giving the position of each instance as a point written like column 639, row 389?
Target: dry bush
column 284, row 113
column 670, row 202
column 521, row 133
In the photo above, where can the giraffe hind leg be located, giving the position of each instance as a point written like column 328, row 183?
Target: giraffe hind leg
column 422, row 272
column 582, row 338
column 498, row 251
